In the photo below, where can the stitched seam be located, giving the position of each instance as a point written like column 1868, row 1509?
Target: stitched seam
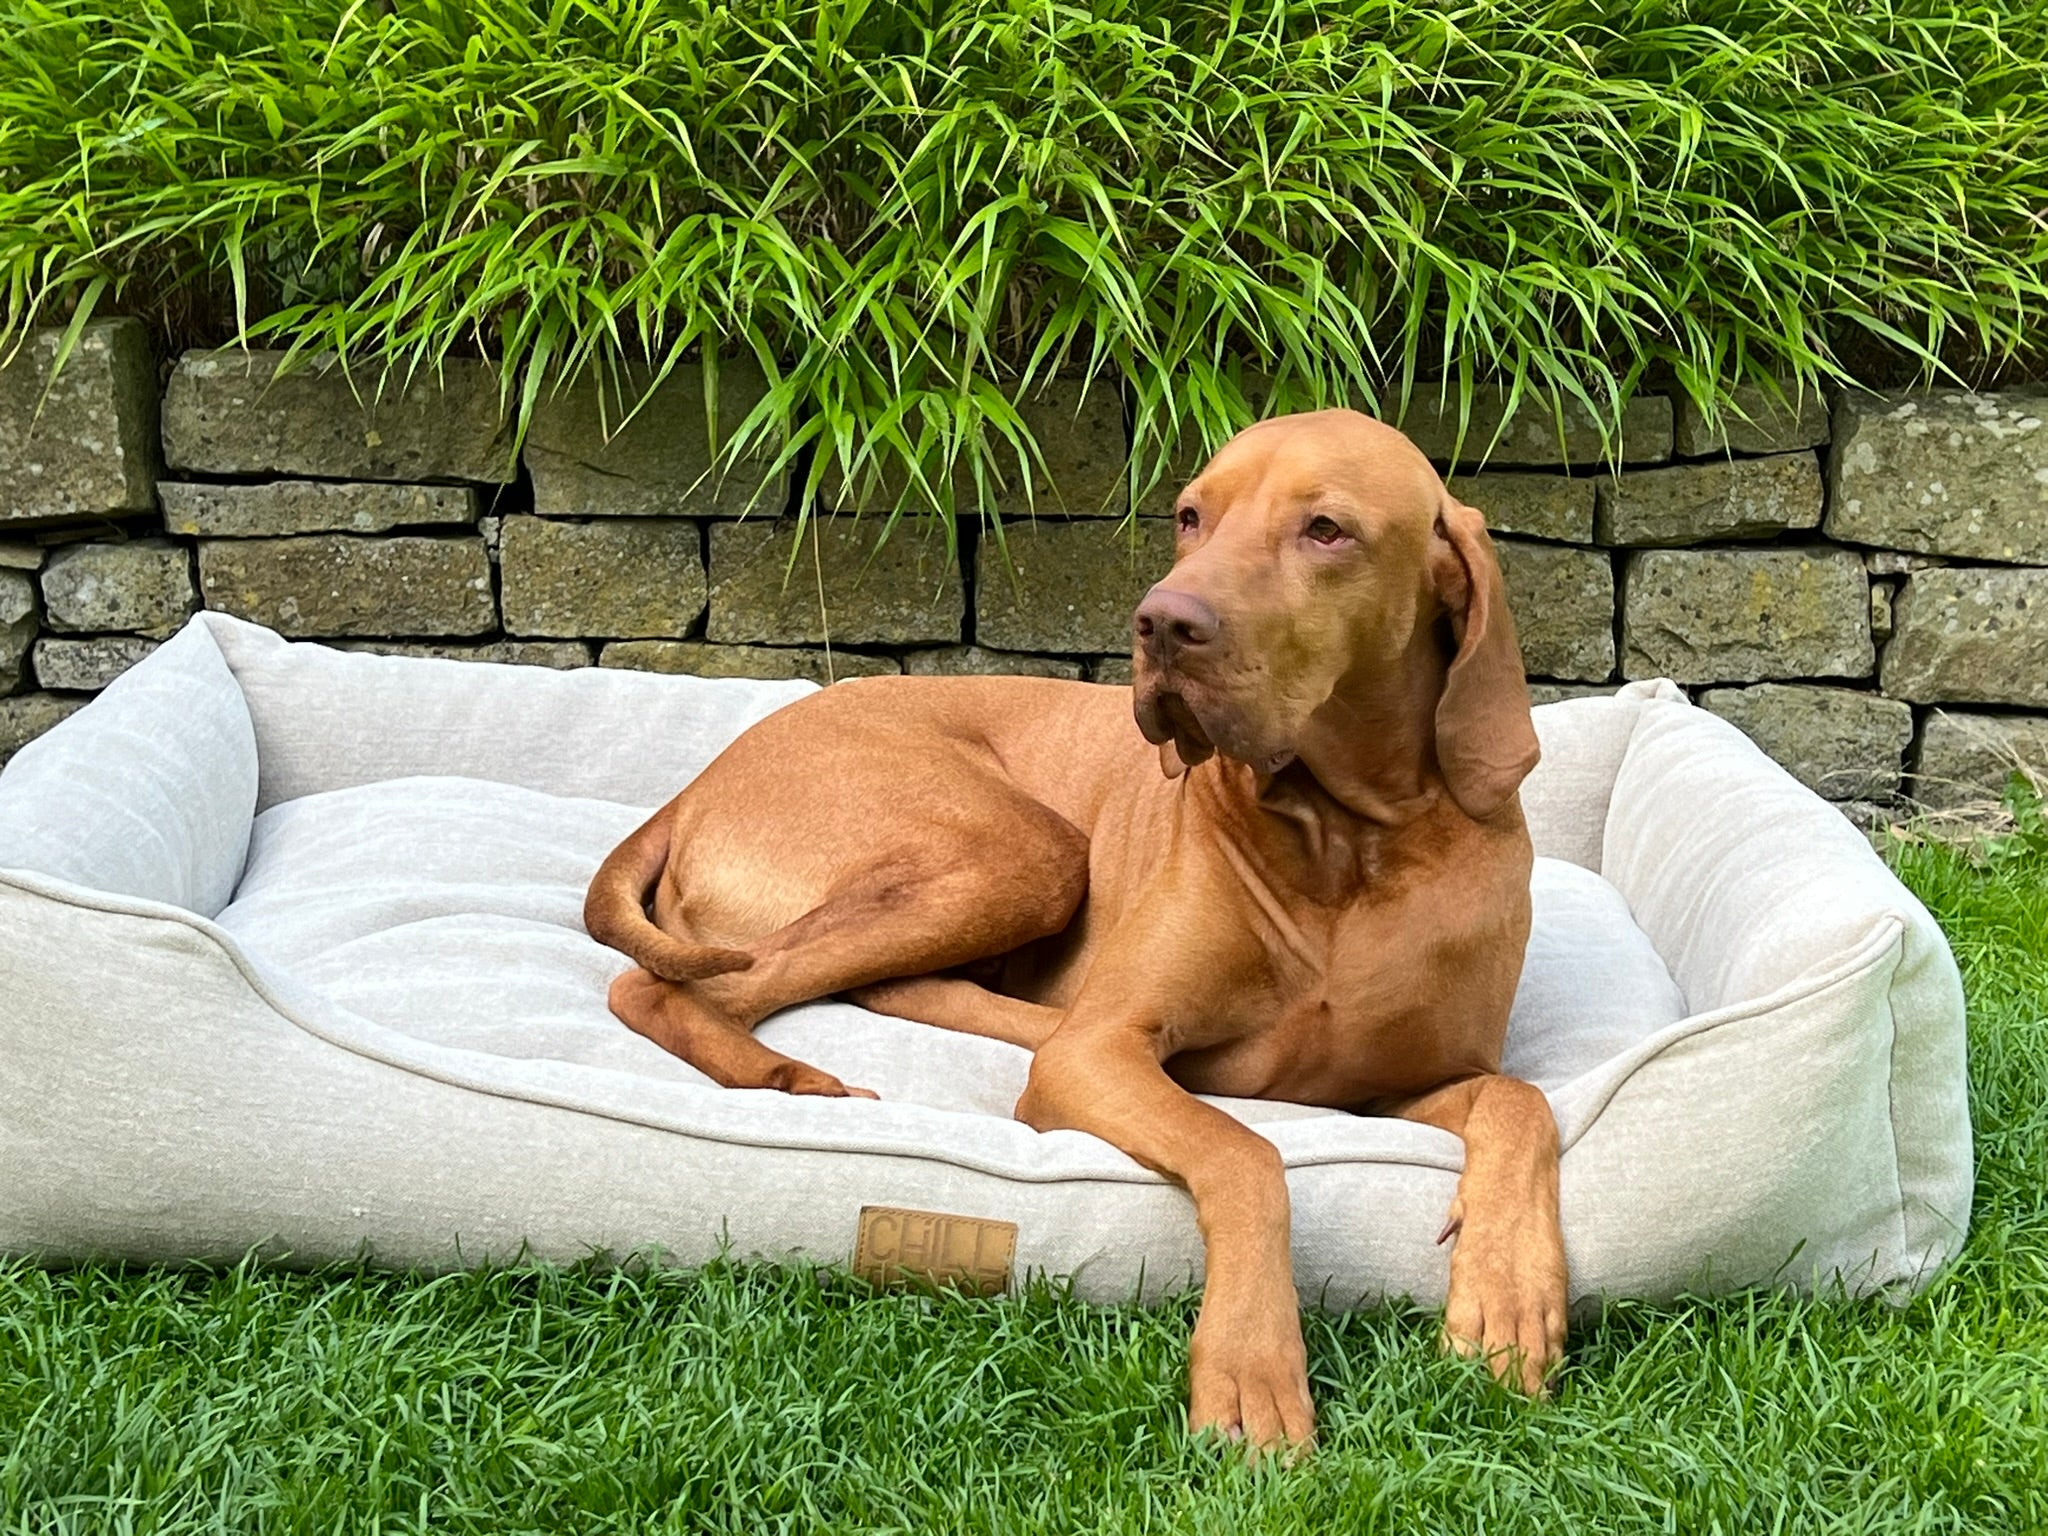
column 1891, row 1111
column 1607, row 818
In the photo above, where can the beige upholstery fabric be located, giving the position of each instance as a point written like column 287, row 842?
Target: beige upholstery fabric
column 450, row 910
column 393, row 1036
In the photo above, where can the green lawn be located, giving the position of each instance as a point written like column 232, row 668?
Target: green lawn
column 751, row 1400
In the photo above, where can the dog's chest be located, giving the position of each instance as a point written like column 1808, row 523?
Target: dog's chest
column 1371, row 1000
column 1380, row 962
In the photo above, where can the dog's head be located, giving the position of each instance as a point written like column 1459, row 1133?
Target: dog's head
column 1321, row 562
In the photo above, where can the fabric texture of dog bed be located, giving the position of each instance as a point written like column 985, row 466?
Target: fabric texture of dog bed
column 291, row 957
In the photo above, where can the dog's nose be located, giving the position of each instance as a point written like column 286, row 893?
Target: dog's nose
column 1170, row 621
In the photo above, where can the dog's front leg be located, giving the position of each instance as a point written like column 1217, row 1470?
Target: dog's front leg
column 1102, row 1072
column 1509, row 1286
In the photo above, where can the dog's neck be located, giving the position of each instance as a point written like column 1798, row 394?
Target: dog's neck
column 1363, row 773
column 1371, row 746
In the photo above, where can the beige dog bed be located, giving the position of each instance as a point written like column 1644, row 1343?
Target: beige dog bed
column 293, row 957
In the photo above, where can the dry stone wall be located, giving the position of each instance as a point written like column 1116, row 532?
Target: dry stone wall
column 1860, row 584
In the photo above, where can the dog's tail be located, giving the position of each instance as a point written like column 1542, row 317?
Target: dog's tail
column 615, row 911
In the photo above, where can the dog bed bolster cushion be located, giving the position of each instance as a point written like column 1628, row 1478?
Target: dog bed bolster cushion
column 291, row 957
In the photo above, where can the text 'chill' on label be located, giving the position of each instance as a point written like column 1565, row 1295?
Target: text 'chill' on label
column 897, row 1245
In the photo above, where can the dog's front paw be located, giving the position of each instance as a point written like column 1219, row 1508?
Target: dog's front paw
column 1248, row 1378
column 1508, row 1295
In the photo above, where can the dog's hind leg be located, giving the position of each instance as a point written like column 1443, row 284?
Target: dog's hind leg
column 916, row 911
column 951, row 1002
column 728, row 1054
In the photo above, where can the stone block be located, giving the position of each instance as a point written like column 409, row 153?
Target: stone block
column 1557, row 693
column 21, row 557
column 1721, row 499
column 1967, row 758
column 1536, row 506
column 1190, row 453
column 562, row 655
column 334, row 584
column 1563, row 605
column 26, row 716
column 1741, row 616
column 840, row 587
column 1892, row 562
column 1838, row 742
column 1080, row 433
column 1113, row 670
column 17, row 626
column 1754, row 421
column 694, row 658
column 629, row 578
column 1873, row 818
column 85, row 443
column 588, row 460
column 1537, row 435
column 973, row 661
column 311, row 506
column 1068, row 588
column 144, row 585
column 1187, row 461
column 234, row 413
column 1881, row 595
column 87, row 664
column 1970, row 635
column 1942, row 472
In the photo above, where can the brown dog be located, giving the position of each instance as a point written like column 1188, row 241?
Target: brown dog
column 1323, row 897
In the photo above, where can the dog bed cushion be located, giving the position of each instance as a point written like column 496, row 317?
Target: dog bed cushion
column 293, row 958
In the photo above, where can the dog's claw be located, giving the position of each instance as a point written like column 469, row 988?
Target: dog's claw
column 1453, row 1224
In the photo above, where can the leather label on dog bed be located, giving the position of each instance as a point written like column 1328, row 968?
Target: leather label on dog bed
column 971, row 1252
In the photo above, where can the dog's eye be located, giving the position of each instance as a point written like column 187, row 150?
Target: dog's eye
column 1325, row 531
column 1188, row 519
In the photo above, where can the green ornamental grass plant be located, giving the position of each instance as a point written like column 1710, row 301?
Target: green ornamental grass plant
column 750, row 1400
column 912, row 210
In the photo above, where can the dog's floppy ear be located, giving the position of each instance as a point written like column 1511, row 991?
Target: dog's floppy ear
column 1485, row 741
